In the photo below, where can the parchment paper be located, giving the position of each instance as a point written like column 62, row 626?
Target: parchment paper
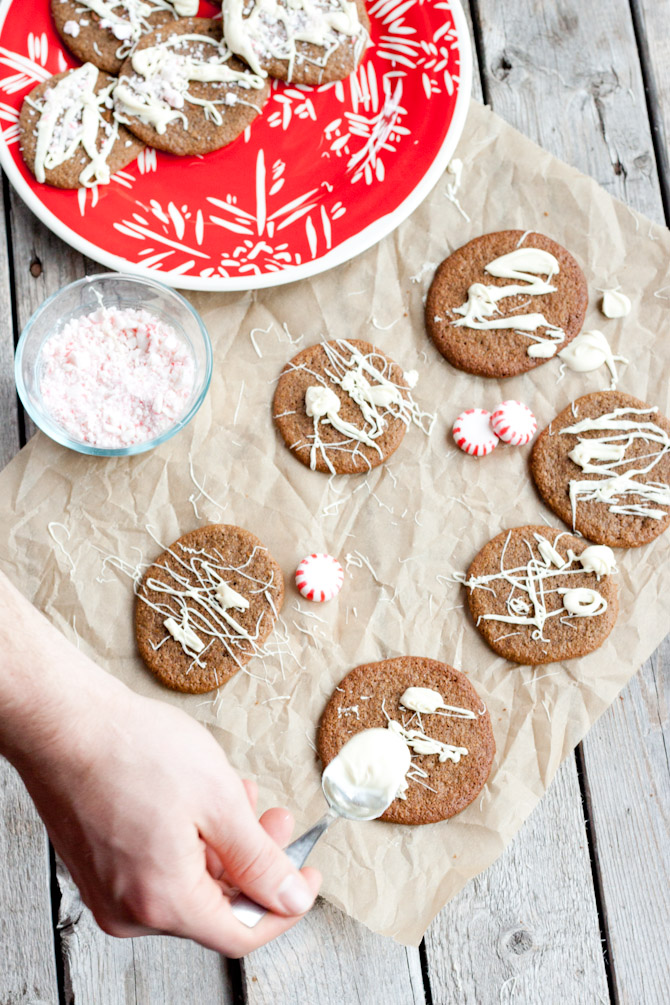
column 420, row 517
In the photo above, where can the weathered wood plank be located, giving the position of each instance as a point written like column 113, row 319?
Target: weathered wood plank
column 568, row 75
column 628, row 786
column 652, row 28
column 155, row 970
column 42, row 264
column 527, row 929
column 28, row 972
column 328, row 959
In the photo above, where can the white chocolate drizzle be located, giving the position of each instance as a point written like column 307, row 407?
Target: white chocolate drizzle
column 129, row 26
column 526, row 265
column 195, row 604
column 530, row 586
column 158, row 91
column 605, row 455
column 589, row 351
column 378, row 397
column 70, row 116
column 270, row 29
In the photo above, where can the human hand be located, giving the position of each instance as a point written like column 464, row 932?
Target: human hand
column 155, row 826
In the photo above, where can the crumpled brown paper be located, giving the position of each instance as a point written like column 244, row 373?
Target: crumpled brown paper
column 414, row 520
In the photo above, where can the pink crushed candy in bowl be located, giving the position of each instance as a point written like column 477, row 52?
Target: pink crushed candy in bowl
column 113, row 364
column 116, row 377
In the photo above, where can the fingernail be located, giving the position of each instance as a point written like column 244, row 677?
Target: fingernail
column 294, row 895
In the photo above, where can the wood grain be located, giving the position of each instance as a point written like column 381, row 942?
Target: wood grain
column 569, row 76
column 27, row 971
column 328, row 958
column 527, row 929
column 652, row 30
column 153, row 970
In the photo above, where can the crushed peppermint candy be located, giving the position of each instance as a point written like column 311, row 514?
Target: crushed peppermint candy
column 115, row 378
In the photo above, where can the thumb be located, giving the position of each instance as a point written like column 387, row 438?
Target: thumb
column 255, row 863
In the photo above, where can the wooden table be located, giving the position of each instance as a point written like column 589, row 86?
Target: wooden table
column 577, row 910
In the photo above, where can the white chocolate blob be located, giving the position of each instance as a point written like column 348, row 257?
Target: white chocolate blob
column 583, row 602
column 615, row 304
column 598, row 558
column 374, row 761
column 184, row 635
column 422, row 744
column 589, row 351
column 424, row 699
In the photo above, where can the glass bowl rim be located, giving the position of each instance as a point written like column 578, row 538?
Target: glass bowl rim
column 53, row 431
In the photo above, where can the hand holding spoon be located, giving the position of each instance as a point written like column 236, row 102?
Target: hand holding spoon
column 359, row 784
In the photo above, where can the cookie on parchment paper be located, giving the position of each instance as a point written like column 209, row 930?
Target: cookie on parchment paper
column 105, row 39
column 519, row 595
column 266, row 41
column 637, row 440
column 167, row 109
column 44, row 142
column 503, row 352
column 306, row 390
column 235, row 592
column 369, row 695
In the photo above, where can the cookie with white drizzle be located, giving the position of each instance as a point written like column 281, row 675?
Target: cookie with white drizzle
column 206, row 606
column 505, row 303
column 183, row 91
column 103, row 32
column 301, row 41
column 437, row 712
column 68, row 135
column 603, row 466
column 541, row 595
column 343, row 407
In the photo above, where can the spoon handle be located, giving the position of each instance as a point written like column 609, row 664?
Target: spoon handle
column 248, row 911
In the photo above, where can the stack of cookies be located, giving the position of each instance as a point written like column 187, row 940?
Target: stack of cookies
column 182, row 84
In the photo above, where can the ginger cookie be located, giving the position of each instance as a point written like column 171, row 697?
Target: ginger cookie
column 182, row 90
column 60, row 145
column 603, row 466
column 206, row 606
column 274, row 41
column 505, row 303
column 344, row 406
column 452, row 747
column 540, row 595
column 103, row 32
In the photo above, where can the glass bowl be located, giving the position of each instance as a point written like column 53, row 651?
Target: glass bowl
column 110, row 289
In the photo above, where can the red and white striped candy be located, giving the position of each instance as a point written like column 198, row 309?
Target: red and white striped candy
column 319, row 577
column 473, row 434
column 514, row 423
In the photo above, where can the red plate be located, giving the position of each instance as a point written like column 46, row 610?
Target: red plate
column 321, row 175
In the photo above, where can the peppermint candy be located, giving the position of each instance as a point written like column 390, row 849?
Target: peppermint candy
column 514, row 423
column 473, row 433
column 319, row 577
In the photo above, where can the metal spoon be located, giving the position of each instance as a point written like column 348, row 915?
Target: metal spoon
column 365, row 804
